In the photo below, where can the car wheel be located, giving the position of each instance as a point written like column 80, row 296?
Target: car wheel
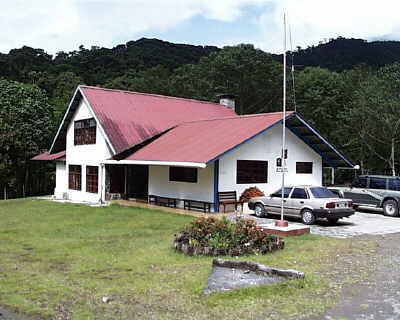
column 307, row 217
column 390, row 208
column 259, row 210
column 333, row 221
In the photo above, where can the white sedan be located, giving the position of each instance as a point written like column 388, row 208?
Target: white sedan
column 307, row 202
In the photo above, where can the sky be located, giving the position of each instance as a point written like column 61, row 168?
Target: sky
column 64, row 25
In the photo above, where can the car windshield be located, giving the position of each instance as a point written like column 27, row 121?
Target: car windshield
column 321, row 192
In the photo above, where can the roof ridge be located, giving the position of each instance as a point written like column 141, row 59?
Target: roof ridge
column 236, row 117
column 152, row 95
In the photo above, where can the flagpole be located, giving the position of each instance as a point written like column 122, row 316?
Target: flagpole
column 282, row 222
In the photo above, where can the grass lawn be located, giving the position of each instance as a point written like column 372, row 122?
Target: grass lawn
column 58, row 259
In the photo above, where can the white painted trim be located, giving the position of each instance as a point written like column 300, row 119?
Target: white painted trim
column 63, row 120
column 97, row 121
column 158, row 163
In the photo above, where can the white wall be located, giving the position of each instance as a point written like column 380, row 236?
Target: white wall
column 267, row 147
column 61, row 180
column 203, row 190
column 85, row 155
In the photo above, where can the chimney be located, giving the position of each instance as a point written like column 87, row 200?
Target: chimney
column 227, row 100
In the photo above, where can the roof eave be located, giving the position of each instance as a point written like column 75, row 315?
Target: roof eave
column 158, row 163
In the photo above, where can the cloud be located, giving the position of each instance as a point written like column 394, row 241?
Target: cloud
column 66, row 24
column 315, row 20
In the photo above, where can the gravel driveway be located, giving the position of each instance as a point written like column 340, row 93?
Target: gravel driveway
column 379, row 297
column 361, row 223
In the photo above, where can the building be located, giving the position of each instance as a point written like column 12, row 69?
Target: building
column 114, row 143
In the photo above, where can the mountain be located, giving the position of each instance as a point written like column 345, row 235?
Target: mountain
column 341, row 54
column 97, row 65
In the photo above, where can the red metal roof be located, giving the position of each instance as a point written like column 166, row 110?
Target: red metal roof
column 202, row 141
column 50, row 157
column 129, row 118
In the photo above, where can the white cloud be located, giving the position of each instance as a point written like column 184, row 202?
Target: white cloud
column 66, row 24
column 315, row 20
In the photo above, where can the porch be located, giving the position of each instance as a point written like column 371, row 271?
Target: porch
column 160, row 185
column 142, row 204
column 127, row 182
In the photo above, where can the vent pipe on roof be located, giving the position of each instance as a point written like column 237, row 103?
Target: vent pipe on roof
column 227, row 100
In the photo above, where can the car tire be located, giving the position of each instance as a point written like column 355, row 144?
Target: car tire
column 307, row 217
column 333, row 221
column 390, row 208
column 259, row 210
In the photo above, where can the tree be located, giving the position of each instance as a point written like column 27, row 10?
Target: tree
column 26, row 124
column 153, row 80
column 320, row 99
column 242, row 70
column 374, row 119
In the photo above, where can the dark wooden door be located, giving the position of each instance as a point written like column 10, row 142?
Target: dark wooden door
column 137, row 182
column 117, row 179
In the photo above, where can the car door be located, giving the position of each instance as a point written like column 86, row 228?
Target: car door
column 296, row 201
column 373, row 195
column 273, row 204
column 360, row 194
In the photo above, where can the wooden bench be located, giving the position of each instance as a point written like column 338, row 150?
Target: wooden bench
column 228, row 197
column 189, row 204
column 162, row 201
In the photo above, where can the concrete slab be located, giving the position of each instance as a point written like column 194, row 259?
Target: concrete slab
column 290, row 230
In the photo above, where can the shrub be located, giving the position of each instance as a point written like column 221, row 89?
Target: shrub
column 212, row 236
column 251, row 193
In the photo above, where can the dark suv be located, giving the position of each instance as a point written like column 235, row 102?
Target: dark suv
column 373, row 192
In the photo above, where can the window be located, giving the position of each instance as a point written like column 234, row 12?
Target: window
column 251, row 171
column 377, row 183
column 321, row 192
column 304, row 167
column 394, row 184
column 299, row 193
column 360, row 182
column 337, row 193
column 92, row 179
column 278, row 194
column 85, row 131
column 74, row 177
column 183, row 174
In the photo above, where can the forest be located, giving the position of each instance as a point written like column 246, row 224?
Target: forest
column 347, row 88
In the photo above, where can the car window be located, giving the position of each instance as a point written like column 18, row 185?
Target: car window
column 336, row 192
column 394, row 184
column 321, row 192
column 299, row 193
column 377, row 183
column 360, row 182
column 278, row 194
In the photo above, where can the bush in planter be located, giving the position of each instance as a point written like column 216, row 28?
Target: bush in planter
column 249, row 193
column 212, row 236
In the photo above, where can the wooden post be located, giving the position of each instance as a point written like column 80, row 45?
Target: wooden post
column 125, row 181
column 5, row 192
